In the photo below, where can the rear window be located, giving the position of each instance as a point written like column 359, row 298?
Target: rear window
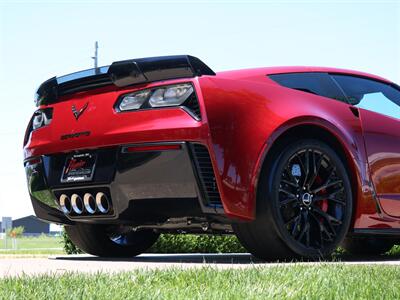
column 320, row 84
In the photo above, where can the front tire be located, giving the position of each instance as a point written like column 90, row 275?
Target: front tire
column 304, row 204
column 101, row 240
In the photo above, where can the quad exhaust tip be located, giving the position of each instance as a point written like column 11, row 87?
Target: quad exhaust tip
column 102, row 202
column 90, row 203
column 77, row 204
column 65, row 204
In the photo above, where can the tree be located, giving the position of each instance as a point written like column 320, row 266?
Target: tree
column 16, row 232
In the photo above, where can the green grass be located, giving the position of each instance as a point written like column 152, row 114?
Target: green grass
column 281, row 282
column 33, row 245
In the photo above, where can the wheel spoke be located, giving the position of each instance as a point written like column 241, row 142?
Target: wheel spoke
column 331, row 194
column 332, row 221
column 292, row 220
column 315, row 170
column 326, row 231
column 326, row 185
column 303, row 166
column 305, row 228
column 322, row 229
column 290, row 194
column 337, row 201
column 308, row 236
column 293, row 184
column 287, row 201
column 296, row 224
column 333, row 200
column 307, row 166
column 331, row 197
column 321, row 239
column 327, row 216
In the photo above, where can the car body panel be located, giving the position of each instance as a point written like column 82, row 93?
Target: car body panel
column 382, row 140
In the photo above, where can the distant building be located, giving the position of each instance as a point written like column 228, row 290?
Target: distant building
column 32, row 225
column 6, row 223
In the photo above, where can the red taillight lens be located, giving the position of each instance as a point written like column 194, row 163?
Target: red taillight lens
column 40, row 118
column 33, row 161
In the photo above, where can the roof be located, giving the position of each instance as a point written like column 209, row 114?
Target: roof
column 248, row 73
column 30, row 217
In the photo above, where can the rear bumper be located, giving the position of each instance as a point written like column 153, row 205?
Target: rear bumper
column 144, row 186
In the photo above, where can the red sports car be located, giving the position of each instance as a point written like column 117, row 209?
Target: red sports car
column 293, row 160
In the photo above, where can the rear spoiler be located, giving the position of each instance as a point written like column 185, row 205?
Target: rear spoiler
column 121, row 74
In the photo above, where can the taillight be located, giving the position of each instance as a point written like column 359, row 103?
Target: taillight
column 177, row 95
column 40, row 118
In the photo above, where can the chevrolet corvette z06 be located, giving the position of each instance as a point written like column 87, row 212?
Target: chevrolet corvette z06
column 295, row 161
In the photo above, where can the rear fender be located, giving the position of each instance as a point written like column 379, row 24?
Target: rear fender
column 246, row 118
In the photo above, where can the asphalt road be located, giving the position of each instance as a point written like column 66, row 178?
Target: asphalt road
column 18, row 266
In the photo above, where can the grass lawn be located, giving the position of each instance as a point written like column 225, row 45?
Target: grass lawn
column 281, row 282
column 321, row 281
column 33, row 245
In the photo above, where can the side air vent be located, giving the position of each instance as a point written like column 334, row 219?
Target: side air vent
column 205, row 172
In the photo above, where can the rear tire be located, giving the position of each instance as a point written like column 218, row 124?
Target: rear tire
column 367, row 245
column 99, row 240
column 304, row 204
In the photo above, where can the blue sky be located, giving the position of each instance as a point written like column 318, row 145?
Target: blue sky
column 40, row 39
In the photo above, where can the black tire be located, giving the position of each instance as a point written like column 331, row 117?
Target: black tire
column 367, row 245
column 98, row 240
column 280, row 231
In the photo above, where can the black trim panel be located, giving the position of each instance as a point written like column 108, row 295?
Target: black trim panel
column 49, row 214
column 121, row 74
column 393, row 232
column 205, row 176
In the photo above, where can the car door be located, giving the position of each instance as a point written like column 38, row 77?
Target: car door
column 379, row 108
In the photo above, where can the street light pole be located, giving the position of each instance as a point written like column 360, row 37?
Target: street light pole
column 95, row 57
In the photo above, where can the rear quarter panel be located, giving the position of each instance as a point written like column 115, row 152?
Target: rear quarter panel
column 245, row 117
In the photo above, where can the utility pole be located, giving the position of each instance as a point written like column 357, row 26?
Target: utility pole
column 95, row 57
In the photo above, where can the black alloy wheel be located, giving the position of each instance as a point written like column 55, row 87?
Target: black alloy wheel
column 304, row 204
column 312, row 199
